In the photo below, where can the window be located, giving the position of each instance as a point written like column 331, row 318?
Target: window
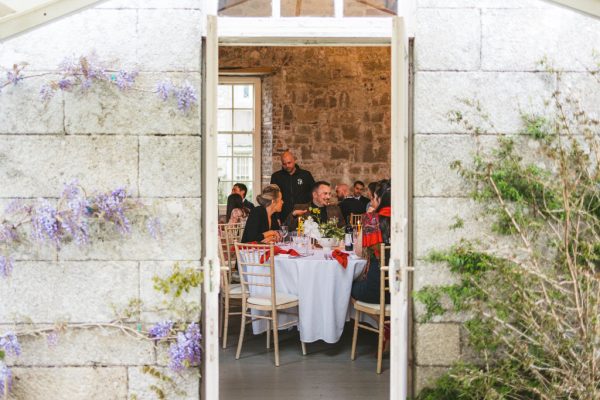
column 238, row 135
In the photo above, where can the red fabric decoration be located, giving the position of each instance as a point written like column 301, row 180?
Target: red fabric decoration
column 385, row 212
column 341, row 257
column 278, row 250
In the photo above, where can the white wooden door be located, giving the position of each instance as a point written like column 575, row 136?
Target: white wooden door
column 210, row 305
column 399, row 248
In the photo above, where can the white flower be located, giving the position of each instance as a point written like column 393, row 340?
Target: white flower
column 311, row 229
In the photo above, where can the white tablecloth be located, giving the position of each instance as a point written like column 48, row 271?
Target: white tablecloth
column 323, row 289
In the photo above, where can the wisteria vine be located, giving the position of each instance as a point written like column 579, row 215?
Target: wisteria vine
column 85, row 71
column 69, row 220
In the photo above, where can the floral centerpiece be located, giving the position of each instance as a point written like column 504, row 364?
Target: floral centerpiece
column 326, row 233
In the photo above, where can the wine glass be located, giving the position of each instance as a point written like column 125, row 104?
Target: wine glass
column 284, row 232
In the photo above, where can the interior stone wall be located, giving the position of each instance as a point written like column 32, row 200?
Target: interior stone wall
column 330, row 106
column 486, row 50
column 105, row 139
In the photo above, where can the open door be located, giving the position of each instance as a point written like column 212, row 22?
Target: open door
column 400, row 176
column 210, row 217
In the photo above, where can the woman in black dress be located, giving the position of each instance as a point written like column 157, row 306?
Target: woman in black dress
column 261, row 227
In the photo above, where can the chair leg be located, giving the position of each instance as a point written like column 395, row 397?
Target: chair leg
column 380, row 348
column 276, row 338
column 242, row 329
column 220, row 315
column 268, row 334
column 303, row 348
column 225, row 321
column 355, row 334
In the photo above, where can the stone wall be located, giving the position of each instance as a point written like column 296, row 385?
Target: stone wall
column 330, row 105
column 486, row 50
column 105, row 139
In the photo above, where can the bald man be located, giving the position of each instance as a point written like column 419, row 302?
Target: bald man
column 295, row 183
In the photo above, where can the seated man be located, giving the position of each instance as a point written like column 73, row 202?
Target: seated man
column 321, row 194
column 351, row 205
column 241, row 189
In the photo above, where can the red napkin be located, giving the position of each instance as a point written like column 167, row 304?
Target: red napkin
column 278, row 250
column 341, row 257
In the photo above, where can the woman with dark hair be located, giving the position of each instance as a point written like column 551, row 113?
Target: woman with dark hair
column 261, row 226
column 370, row 190
column 376, row 230
column 236, row 212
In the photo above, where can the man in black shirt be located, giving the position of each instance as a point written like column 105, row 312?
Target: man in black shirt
column 241, row 189
column 295, row 184
column 359, row 189
column 321, row 194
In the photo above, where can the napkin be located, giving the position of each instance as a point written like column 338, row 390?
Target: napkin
column 341, row 257
column 278, row 250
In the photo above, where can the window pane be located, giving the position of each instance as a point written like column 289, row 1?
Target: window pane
column 225, row 99
column 224, row 144
column 224, row 168
column 307, row 8
column 250, row 194
column 243, row 96
column 243, row 121
column 242, row 145
column 242, row 169
column 370, row 8
column 224, row 122
column 224, row 191
column 248, row 8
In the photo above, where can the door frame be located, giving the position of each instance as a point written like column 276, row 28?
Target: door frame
column 399, row 258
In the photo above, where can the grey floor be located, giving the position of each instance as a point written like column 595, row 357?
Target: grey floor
column 326, row 372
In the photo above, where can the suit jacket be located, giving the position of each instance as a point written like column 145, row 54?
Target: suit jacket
column 332, row 211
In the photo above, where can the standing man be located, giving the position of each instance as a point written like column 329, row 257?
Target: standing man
column 359, row 189
column 295, row 183
column 241, row 189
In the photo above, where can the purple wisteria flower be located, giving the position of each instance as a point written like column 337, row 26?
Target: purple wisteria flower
column 187, row 351
column 5, row 376
column 65, row 84
column 163, row 89
column 161, row 330
column 8, row 233
column 6, row 266
column 52, row 338
column 45, row 224
column 186, row 96
column 111, row 207
column 74, row 219
column 123, row 79
column 46, row 92
column 10, row 344
column 154, row 227
column 69, row 65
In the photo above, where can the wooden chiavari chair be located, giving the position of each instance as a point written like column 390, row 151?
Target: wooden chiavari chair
column 229, row 235
column 256, row 265
column 379, row 311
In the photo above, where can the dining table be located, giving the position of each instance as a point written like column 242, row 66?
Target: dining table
column 323, row 288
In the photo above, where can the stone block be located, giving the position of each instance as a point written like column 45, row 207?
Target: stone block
column 433, row 155
column 110, row 33
column 448, row 39
column 105, row 109
column 186, row 384
column 98, row 383
column 154, row 302
column 503, row 96
column 67, row 291
column 39, row 166
column 170, row 166
column 426, row 376
column 434, row 217
column 585, row 88
column 175, row 46
column 437, row 344
column 24, row 112
column 180, row 240
column 79, row 347
column 516, row 40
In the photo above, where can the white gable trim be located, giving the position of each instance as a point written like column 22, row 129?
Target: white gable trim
column 18, row 22
column 591, row 7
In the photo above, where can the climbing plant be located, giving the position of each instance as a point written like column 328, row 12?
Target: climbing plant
column 531, row 295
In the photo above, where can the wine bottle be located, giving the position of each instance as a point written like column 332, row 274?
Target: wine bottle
column 348, row 238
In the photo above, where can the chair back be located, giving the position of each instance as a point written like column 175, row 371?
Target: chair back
column 355, row 219
column 256, row 265
column 384, row 278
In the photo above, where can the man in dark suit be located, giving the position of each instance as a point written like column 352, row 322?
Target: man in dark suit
column 321, row 194
column 241, row 189
column 359, row 189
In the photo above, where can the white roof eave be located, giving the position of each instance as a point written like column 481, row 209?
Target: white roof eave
column 589, row 7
